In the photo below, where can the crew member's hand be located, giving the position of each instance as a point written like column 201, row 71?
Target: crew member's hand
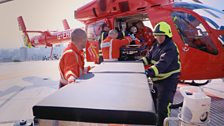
column 132, row 36
column 87, row 69
column 149, row 73
column 71, row 79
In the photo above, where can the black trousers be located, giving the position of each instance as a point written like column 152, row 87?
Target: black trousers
column 165, row 91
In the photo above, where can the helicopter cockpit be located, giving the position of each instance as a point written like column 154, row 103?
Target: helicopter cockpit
column 193, row 31
column 214, row 17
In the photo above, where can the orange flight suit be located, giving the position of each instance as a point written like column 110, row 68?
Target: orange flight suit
column 111, row 47
column 71, row 64
column 145, row 34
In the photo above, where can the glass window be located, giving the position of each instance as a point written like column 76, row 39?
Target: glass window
column 94, row 30
column 214, row 17
column 90, row 33
column 193, row 33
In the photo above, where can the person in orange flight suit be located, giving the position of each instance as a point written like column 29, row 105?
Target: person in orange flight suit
column 144, row 34
column 71, row 64
column 111, row 46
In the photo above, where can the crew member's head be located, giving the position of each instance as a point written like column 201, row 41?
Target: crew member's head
column 105, row 27
column 133, row 29
column 139, row 25
column 113, row 34
column 123, row 26
column 79, row 38
column 161, row 31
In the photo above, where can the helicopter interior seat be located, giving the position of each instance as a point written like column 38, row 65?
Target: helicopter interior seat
column 197, row 43
column 204, row 43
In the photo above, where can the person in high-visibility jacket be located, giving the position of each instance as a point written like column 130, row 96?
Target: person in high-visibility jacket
column 104, row 33
column 164, row 71
column 122, row 31
column 111, row 46
column 71, row 64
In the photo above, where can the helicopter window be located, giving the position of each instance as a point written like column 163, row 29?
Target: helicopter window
column 94, row 30
column 193, row 33
column 214, row 17
column 90, row 33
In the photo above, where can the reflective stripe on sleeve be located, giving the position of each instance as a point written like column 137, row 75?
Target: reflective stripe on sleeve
column 102, row 35
column 156, row 71
column 105, row 44
column 67, row 51
column 100, row 53
column 70, row 73
column 110, row 49
column 165, row 75
column 145, row 60
column 168, row 109
column 153, row 62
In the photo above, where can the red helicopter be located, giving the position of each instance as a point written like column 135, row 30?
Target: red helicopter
column 198, row 30
column 44, row 38
column 48, row 38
